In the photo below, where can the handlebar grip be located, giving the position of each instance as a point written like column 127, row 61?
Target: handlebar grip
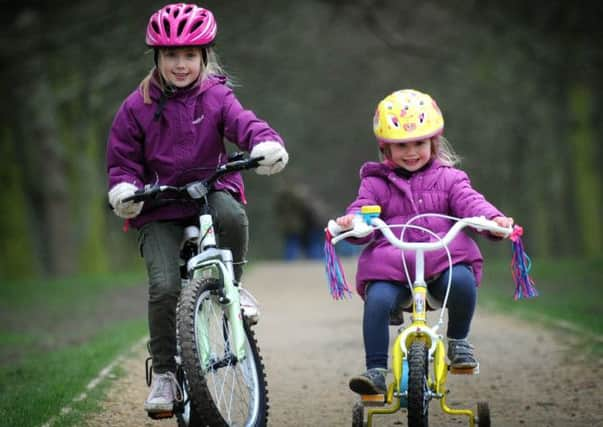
column 255, row 161
column 141, row 195
column 334, row 228
column 130, row 199
column 360, row 229
column 481, row 223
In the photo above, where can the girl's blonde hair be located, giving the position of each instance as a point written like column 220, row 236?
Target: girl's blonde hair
column 211, row 68
column 441, row 149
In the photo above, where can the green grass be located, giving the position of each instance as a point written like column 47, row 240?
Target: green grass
column 40, row 372
column 570, row 296
column 36, row 315
column 59, row 293
column 34, row 390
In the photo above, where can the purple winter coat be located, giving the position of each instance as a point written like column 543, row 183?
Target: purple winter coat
column 434, row 189
column 185, row 144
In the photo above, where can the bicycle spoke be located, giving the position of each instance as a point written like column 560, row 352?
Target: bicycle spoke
column 233, row 389
column 231, row 392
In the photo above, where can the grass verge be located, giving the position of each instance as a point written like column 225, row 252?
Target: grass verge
column 569, row 297
column 61, row 293
column 35, row 389
column 55, row 337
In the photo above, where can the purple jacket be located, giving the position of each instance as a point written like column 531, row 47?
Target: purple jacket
column 435, row 189
column 185, row 144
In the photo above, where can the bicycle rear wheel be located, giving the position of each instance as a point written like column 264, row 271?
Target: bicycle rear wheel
column 223, row 391
column 418, row 390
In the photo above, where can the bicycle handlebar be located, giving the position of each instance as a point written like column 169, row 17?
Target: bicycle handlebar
column 368, row 221
column 197, row 189
column 362, row 229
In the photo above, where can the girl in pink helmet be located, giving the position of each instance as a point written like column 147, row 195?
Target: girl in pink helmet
column 171, row 130
column 417, row 176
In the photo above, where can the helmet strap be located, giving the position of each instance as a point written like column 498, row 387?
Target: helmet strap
column 167, row 88
column 156, row 57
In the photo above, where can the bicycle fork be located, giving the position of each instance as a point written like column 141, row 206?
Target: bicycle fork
column 217, row 263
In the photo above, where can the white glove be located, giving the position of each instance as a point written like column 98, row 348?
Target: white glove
column 275, row 157
column 117, row 194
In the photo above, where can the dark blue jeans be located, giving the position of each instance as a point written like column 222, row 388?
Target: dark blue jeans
column 382, row 297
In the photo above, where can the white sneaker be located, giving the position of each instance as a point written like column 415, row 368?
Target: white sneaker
column 250, row 306
column 164, row 391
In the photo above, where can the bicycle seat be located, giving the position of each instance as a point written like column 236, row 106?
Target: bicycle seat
column 433, row 303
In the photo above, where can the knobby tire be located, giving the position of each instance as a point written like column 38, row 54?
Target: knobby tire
column 418, row 401
column 209, row 393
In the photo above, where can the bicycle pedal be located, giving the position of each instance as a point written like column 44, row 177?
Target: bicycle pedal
column 464, row 371
column 372, row 399
column 160, row 415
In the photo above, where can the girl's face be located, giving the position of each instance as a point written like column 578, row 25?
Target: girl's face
column 180, row 66
column 411, row 156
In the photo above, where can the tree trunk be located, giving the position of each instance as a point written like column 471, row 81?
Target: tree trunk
column 46, row 171
column 588, row 188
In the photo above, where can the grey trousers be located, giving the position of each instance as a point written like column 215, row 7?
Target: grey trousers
column 159, row 244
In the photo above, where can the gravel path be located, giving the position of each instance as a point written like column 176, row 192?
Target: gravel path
column 312, row 345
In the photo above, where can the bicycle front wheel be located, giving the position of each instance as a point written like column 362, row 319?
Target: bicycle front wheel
column 418, row 389
column 224, row 391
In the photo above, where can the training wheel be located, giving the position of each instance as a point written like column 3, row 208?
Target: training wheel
column 358, row 415
column 483, row 414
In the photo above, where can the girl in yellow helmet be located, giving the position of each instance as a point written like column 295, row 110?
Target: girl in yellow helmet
column 416, row 176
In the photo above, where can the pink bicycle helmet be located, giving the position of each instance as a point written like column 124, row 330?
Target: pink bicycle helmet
column 181, row 24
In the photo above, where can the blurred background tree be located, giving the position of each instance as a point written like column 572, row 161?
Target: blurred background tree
column 518, row 82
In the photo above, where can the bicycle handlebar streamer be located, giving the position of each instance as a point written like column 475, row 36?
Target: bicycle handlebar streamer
column 521, row 265
column 338, row 286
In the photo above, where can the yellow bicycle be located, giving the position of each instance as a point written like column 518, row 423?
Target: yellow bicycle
column 418, row 356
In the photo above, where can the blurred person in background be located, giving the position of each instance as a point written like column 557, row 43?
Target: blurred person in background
column 301, row 221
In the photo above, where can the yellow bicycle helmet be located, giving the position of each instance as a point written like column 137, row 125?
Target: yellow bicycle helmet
column 407, row 115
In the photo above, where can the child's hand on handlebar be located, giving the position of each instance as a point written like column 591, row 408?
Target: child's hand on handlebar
column 346, row 221
column 123, row 209
column 502, row 221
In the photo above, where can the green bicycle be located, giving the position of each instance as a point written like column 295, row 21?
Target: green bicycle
column 220, row 370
